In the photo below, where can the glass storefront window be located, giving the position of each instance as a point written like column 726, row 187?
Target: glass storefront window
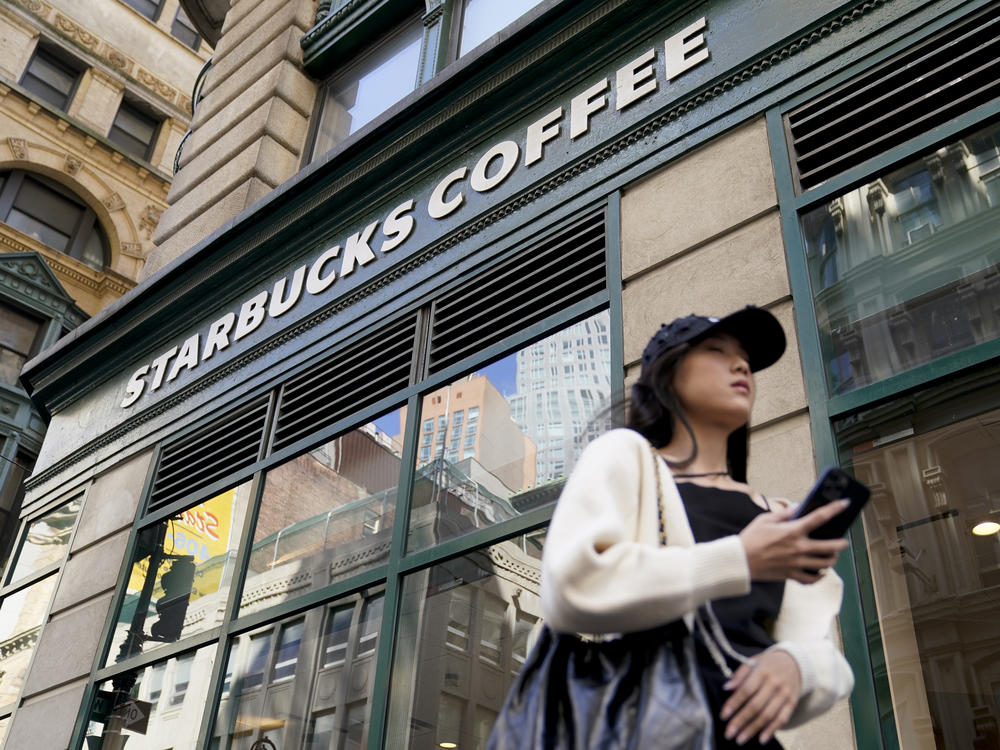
column 44, row 540
column 380, row 80
column 465, row 627
column 931, row 532
column 21, row 617
column 481, row 19
column 321, row 670
column 325, row 515
column 906, row 268
column 512, row 424
column 182, row 570
column 156, row 706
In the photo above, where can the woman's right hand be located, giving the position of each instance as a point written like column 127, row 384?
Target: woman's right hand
column 778, row 547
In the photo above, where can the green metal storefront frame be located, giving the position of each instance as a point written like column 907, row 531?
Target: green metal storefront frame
column 871, row 706
column 399, row 565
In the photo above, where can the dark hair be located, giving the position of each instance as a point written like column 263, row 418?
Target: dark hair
column 654, row 412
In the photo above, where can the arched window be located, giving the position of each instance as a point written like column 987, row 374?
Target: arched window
column 45, row 210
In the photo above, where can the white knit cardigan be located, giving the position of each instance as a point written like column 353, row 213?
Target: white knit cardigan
column 605, row 571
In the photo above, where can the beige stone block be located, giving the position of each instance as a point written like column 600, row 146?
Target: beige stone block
column 782, row 463
column 744, row 267
column 701, row 195
column 246, row 16
column 272, row 121
column 188, row 232
column 268, row 43
column 169, row 141
column 97, row 100
column 112, row 501
column 90, row 572
column 17, row 44
column 834, row 730
column 265, row 160
column 47, row 720
column 781, row 388
column 67, row 645
column 257, row 82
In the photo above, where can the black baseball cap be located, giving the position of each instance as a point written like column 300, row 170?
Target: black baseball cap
column 759, row 332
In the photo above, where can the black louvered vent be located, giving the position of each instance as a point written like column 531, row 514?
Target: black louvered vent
column 551, row 274
column 352, row 379
column 930, row 83
column 222, row 447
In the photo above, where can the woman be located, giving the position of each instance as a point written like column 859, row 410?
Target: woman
column 762, row 578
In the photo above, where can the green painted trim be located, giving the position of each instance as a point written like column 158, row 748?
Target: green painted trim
column 919, row 376
column 478, row 539
column 613, row 260
column 381, row 706
column 243, row 551
column 303, row 603
column 864, row 704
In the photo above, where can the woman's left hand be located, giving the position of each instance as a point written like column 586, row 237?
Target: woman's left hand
column 763, row 698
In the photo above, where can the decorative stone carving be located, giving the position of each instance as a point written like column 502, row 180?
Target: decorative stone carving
column 936, row 168
column 132, row 250
column 149, row 219
column 934, row 479
column 36, row 6
column 876, row 200
column 71, row 164
column 118, row 59
column 81, row 35
column 18, row 147
column 156, row 85
column 836, row 210
column 113, row 202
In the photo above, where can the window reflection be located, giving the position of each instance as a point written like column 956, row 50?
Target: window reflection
column 906, row 269
column 44, row 540
column 321, row 673
column 153, row 707
column 500, row 441
column 465, row 628
column 932, row 467
column 383, row 78
column 21, row 617
column 481, row 19
column 181, row 574
column 325, row 515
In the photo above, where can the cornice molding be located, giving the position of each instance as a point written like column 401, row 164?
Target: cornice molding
column 698, row 99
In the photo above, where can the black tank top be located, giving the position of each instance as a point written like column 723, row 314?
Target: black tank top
column 746, row 620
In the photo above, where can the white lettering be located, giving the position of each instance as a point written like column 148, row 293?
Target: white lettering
column 160, row 366
column 507, row 152
column 136, row 385
column 540, row 132
column 188, row 358
column 685, row 49
column 358, row 250
column 251, row 315
column 635, row 80
column 397, row 227
column 582, row 106
column 316, row 282
column 437, row 207
column 280, row 304
column 218, row 335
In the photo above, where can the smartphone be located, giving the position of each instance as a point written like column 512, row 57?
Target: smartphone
column 834, row 484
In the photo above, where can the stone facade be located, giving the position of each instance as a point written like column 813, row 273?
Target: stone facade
column 123, row 54
column 250, row 128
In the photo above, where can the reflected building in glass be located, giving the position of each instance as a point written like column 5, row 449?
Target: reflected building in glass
column 563, row 383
